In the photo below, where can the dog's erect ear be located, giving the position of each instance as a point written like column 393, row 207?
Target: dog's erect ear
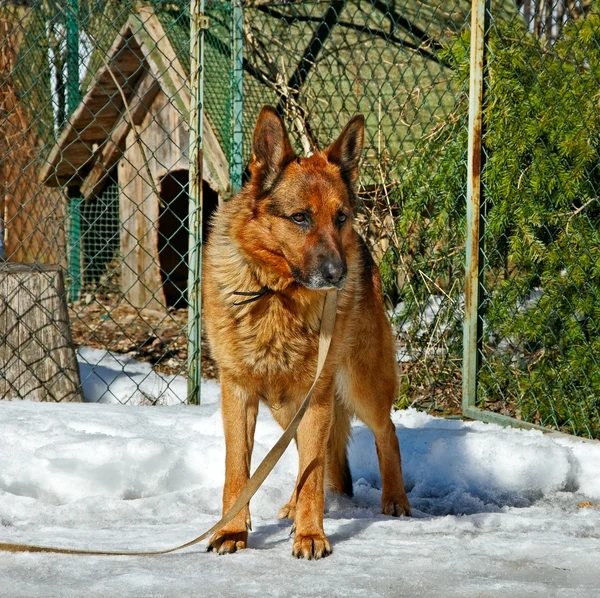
column 346, row 150
column 271, row 148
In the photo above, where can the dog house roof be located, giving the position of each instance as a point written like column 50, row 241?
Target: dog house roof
column 140, row 62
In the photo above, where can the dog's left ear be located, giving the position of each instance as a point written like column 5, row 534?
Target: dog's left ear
column 346, row 150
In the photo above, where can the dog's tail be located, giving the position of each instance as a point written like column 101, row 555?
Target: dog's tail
column 339, row 478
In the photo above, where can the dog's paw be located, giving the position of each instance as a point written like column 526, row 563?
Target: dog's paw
column 311, row 546
column 396, row 506
column 227, row 542
column 287, row 512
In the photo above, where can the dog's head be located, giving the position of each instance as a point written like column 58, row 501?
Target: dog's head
column 302, row 208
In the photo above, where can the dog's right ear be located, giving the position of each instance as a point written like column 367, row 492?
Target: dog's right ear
column 271, row 149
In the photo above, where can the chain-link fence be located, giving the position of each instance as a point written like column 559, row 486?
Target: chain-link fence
column 95, row 166
column 540, row 267
column 94, row 172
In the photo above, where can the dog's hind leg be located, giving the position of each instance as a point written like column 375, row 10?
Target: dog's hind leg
column 283, row 416
column 339, row 478
column 239, row 422
column 372, row 396
column 288, row 511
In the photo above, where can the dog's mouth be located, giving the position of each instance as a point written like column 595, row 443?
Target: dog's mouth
column 317, row 281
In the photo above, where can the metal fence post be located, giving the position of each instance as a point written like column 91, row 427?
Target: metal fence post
column 73, row 99
column 474, row 224
column 72, row 22
column 198, row 23
column 237, row 72
column 74, row 244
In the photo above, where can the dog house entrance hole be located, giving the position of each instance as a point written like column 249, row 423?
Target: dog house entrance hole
column 173, row 232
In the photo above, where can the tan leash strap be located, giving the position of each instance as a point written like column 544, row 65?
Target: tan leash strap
column 257, row 478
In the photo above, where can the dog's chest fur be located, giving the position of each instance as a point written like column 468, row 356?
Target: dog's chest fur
column 273, row 335
column 274, row 338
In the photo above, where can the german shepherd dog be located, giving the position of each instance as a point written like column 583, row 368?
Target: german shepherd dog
column 284, row 241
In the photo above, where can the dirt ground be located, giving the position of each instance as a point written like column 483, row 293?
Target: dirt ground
column 158, row 338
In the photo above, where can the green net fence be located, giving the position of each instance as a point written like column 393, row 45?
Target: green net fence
column 107, row 201
column 100, row 233
column 540, row 350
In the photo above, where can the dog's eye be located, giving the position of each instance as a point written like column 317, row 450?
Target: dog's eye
column 341, row 218
column 299, row 217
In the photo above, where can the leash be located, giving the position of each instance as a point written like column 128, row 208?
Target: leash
column 257, row 478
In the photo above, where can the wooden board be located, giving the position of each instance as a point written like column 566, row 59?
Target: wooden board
column 107, row 155
column 141, row 280
column 37, row 356
column 165, row 138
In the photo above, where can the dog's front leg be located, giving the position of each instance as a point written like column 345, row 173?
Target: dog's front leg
column 310, row 541
column 239, row 422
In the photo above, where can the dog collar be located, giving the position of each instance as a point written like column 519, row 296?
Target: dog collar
column 252, row 295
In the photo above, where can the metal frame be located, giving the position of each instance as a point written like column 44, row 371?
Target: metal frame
column 237, row 95
column 198, row 24
column 73, row 99
column 475, row 229
column 472, row 321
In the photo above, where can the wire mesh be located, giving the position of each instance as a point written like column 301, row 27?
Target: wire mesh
column 94, row 179
column 540, row 311
column 100, row 234
column 100, row 186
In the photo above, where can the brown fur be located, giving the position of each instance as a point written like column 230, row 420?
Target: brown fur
column 267, row 349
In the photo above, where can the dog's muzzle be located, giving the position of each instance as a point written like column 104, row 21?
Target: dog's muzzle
column 331, row 274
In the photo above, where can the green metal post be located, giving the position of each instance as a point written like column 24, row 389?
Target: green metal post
column 198, row 24
column 73, row 99
column 237, row 73
column 72, row 25
column 474, row 225
column 74, row 246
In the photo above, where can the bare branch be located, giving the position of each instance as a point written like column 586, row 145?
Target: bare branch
column 362, row 29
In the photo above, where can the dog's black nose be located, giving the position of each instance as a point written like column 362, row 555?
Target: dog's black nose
column 333, row 271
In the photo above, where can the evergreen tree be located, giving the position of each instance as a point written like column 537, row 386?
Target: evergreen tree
column 541, row 306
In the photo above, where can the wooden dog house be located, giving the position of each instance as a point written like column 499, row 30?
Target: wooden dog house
column 99, row 147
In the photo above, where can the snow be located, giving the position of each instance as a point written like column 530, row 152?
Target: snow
column 114, row 378
column 495, row 510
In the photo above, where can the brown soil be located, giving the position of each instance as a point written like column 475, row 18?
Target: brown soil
column 146, row 335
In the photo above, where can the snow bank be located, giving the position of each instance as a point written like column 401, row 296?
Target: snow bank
column 495, row 510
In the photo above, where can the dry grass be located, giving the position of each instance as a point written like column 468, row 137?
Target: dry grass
column 106, row 321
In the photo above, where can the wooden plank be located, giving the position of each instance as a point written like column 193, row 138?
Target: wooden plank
column 37, row 356
column 141, row 280
column 167, row 68
column 96, row 114
column 107, row 155
column 166, row 139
